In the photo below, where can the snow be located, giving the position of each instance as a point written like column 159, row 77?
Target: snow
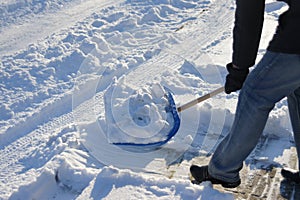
column 76, row 75
column 137, row 116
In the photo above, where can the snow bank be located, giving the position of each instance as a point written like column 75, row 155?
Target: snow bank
column 69, row 171
column 113, row 183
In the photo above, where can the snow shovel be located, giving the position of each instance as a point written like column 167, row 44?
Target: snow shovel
column 171, row 108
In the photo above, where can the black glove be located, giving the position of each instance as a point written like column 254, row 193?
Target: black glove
column 235, row 78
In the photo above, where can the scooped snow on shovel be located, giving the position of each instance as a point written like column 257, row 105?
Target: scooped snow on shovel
column 146, row 118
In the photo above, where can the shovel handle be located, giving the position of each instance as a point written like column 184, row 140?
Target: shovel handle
column 200, row 99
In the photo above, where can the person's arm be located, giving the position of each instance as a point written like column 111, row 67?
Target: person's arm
column 249, row 17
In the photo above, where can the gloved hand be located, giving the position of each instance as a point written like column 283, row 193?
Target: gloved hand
column 235, row 78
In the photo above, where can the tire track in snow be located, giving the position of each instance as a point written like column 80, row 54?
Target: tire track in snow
column 194, row 44
column 38, row 31
column 15, row 38
column 54, row 109
column 13, row 157
column 210, row 31
column 41, row 117
column 36, row 141
column 21, row 148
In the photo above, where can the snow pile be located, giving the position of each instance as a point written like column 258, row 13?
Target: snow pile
column 137, row 116
column 113, row 183
column 68, row 171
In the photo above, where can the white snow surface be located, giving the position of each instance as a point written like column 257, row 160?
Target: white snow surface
column 72, row 71
column 137, row 116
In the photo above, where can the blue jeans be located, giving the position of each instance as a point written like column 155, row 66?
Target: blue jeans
column 276, row 76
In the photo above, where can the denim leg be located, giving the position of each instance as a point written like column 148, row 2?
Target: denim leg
column 294, row 110
column 276, row 76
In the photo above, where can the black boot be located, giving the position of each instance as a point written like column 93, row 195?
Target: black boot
column 201, row 174
column 291, row 176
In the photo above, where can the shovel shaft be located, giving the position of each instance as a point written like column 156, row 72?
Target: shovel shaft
column 200, row 99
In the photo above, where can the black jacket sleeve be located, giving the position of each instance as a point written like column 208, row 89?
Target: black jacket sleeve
column 249, row 17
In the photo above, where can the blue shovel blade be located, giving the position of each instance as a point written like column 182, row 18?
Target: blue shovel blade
column 144, row 147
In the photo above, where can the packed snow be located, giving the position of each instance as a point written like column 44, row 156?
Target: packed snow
column 78, row 76
column 137, row 116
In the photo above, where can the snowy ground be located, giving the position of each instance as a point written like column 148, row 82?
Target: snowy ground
column 60, row 59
